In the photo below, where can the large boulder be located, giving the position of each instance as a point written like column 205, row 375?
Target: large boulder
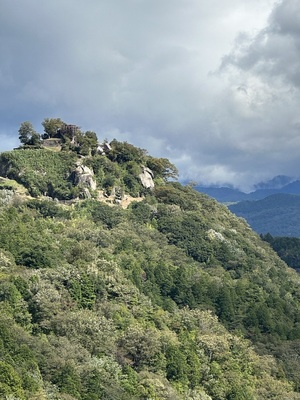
column 84, row 176
column 146, row 178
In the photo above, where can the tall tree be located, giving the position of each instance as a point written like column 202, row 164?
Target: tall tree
column 27, row 134
column 51, row 126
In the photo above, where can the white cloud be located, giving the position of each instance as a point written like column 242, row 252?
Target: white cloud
column 147, row 71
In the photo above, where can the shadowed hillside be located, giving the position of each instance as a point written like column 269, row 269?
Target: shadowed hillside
column 278, row 214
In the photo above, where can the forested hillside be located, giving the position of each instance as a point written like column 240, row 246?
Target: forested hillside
column 170, row 297
column 288, row 249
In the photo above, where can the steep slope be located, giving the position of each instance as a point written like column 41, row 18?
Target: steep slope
column 40, row 171
column 160, row 300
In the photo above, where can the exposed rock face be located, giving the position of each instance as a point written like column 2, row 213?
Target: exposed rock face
column 52, row 143
column 103, row 148
column 6, row 196
column 84, row 176
column 213, row 235
column 146, row 178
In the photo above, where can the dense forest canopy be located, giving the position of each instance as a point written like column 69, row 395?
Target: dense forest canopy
column 163, row 294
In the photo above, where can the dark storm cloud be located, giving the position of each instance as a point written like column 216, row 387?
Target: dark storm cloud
column 274, row 52
column 140, row 71
column 263, row 73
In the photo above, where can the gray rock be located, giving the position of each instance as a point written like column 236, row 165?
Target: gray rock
column 84, row 176
column 146, row 178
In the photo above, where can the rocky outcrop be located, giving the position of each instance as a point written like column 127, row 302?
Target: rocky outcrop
column 103, row 148
column 84, row 176
column 54, row 143
column 6, row 196
column 146, row 178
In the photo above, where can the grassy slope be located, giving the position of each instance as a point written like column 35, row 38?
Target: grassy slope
column 40, row 171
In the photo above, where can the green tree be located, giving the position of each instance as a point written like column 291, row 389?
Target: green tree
column 27, row 134
column 123, row 152
column 68, row 381
column 176, row 364
column 225, row 305
column 162, row 167
column 86, row 143
column 10, row 382
column 51, row 126
column 83, row 291
column 91, row 139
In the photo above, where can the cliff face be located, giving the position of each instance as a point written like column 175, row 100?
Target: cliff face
column 84, row 176
column 171, row 298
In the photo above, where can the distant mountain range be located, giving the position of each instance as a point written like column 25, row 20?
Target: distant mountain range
column 274, row 207
column 279, row 184
column 278, row 214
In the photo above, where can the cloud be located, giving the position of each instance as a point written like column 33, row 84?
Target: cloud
column 262, row 74
column 212, row 86
column 273, row 52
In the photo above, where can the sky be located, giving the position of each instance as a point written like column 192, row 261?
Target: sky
column 214, row 86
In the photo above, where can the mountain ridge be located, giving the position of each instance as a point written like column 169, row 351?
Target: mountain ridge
column 277, row 214
column 274, row 186
column 173, row 297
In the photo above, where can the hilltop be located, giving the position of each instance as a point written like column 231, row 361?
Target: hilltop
column 172, row 297
column 66, row 164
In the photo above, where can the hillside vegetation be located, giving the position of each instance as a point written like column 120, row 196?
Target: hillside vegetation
column 288, row 249
column 171, row 298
